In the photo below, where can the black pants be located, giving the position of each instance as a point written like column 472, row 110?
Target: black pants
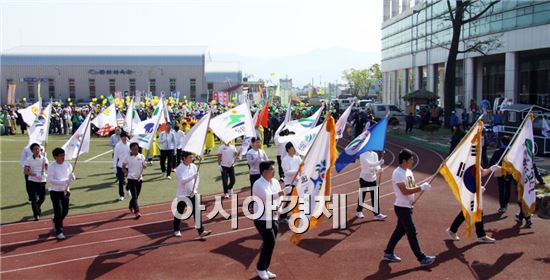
column 135, row 189
column 28, row 187
column 38, row 195
column 504, row 185
column 60, row 202
column 409, row 127
column 279, row 164
column 365, row 184
column 178, row 157
column 253, row 179
column 164, row 155
column 268, row 242
column 521, row 214
column 460, row 219
column 181, row 208
column 228, row 178
column 120, row 177
column 405, row 225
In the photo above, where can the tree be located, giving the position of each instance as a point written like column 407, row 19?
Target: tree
column 462, row 13
column 362, row 80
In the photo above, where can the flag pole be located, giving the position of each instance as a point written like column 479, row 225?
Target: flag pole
column 431, row 178
column 203, row 142
column 81, row 144
column 509, row 144
column 157, row 126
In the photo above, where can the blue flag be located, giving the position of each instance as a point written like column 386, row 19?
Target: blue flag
column 372, row 139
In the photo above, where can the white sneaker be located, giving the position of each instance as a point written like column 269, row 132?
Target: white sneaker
column 262, row 274
column 60, row 236
column 271, row 274
column 225, row 195
column 177, row 233
column 121, row 198
column 359, row 215
column 452, row 235
column 168, row 177
column 380, row 217
column 205, row 233
column 163, row 174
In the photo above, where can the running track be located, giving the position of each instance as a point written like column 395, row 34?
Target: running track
column 112, row 245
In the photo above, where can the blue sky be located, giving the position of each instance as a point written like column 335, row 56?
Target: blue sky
column 261, row 29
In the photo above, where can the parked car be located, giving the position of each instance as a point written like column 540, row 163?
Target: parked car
column 362, row 104
column 380, row 110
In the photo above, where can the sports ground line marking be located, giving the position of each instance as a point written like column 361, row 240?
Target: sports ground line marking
column 90, row 159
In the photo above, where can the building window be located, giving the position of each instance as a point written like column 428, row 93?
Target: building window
column 72, row 89
column 172, row 85
column 112, row 86
column 91, row 85
column 51, row 88
column 30, row 88
column 152, row 86
column 193, row 89
column 493, row 81
column 424, row 73
column 410, row 80
column 132, row 86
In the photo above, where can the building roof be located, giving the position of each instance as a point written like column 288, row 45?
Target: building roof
column 223, row 67
column 108, row 51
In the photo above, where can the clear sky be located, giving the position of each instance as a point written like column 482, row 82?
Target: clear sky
column 251, row 28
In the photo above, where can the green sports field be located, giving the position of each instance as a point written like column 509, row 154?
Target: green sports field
column 95, row 188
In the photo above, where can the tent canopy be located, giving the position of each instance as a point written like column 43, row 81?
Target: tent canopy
column 420, row 94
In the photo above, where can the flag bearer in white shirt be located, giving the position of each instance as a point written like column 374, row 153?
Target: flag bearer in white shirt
column 167, row 143
column 254, row 156
column 290, row 164
column 268, row 190
column 370, row 168
column 36, row 167
column 60, row 175
column 180, row 135
column 132, row 167
column 122, row 150
column 226, row 160
column 187, row 174
column 25, row 154
column 404, row 188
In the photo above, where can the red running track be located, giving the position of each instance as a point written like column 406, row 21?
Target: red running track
column 112, row 245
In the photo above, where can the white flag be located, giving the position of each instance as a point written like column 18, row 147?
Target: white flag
column 462, row 171
column 302, row 142
column 194, row 140
column 314, row 184
column 145, row 130
column 106, row 120
column 38, row 132
column 233, row 123
column 288, row 118
column 131, row 120
column 30, row 113
column 80, row 138
column 342, row 121
column 301, row 126
column 519, row 161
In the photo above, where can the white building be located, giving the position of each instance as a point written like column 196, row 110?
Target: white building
column 224, row 76
column 82, row 73
column 519, row 69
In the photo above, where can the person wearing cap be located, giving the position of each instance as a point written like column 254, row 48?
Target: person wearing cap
column 404, row 188
column 122, row 150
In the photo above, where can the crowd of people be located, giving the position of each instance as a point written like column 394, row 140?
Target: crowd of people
column 129, row 162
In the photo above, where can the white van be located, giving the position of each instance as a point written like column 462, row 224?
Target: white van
column 380, row 110
column 343, row 103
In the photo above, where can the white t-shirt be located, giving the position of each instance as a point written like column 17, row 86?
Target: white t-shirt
column 38, row 166
column 264, row 189
column 180, row 135
column 134, row 164
column 406, row 177
column 58, row 174
column 186, row 182
column 370, row 165
column 228, row 155
column 254, row 159
column 121, row 152
column 290, row 166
